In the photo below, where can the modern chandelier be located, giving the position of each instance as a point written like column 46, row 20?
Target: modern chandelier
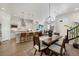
column 50, row 19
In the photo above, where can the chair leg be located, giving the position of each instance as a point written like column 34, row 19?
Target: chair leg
column 41, row 53
column 35, row 52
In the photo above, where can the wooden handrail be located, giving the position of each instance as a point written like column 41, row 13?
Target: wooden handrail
column 74, row 28
column 73, row 36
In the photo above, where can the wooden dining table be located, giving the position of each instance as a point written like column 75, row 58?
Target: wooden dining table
column 49, row 40
column 46, row 40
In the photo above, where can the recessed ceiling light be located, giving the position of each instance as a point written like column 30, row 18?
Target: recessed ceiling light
column 76, row 8
column 3, row 8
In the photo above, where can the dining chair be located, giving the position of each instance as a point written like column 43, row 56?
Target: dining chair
column 23, row 37
column 70, row 50
column 37, row 45
column 56, row 49
column 29, row 36
column 40, row 33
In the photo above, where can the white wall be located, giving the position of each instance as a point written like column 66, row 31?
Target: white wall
column 60, row 25
column 74, row 17
column 5, row 28
column 68, row 19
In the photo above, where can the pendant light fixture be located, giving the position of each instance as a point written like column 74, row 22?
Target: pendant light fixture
column 50, row 19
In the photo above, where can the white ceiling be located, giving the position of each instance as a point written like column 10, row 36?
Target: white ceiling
column 38, row 10
column 30, row 10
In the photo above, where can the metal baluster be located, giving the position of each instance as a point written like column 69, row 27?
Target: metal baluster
column 72, row 33
column 78, row 31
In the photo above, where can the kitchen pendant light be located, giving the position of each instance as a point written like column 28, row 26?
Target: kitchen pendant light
column 23, row 20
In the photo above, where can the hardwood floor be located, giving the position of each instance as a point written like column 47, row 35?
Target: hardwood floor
column 10, row 48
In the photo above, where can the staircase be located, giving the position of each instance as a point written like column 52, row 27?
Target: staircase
column 73, row 34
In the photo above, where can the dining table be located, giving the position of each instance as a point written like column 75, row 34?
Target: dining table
column 49, row 40
column 46, row 40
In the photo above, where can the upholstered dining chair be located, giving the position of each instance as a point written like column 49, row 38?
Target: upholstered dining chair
column 58, row 49
column 37, row 45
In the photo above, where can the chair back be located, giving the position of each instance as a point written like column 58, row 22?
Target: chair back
column 63, row 50
column 40, row 33
column 36, row 40
column 31, row 33
column 23, row 34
